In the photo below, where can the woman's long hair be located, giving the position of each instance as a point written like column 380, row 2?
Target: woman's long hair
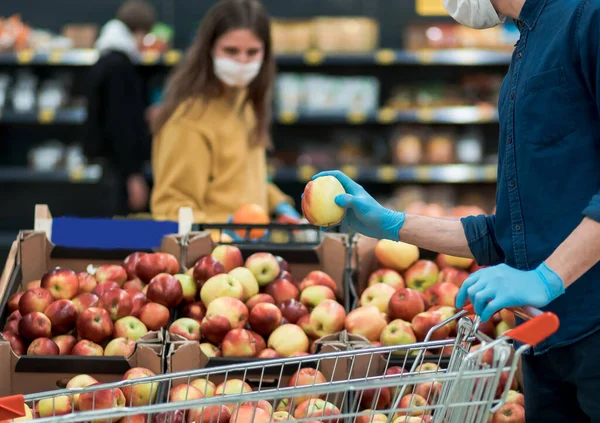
column 194, row 77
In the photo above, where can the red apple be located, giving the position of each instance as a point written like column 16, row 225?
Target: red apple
column 503, row 382
column 268, row 353
column 288, row 277
column 422, row 275
column 177, row 416
column 215, row 328
column 165, row 289
column 378, row 295
column 259, row 298
column 184, row 392
column 195, row 311
column 249, row 414
column 282, row 290
column 95, row 325
column 33, row 285
column 87, row 283
column 317, row 277
column 105, row 286
column 288, row 340
column 307, row 376
column 405, row 304
column 211, row 414
column 423, row 322
column 210, row 350
column 327, row 318
column 187, row 328
column 317, row 409
column 283, row 264
column 239, row 343
column 442, row 294
column 431, row 391
column 155, row 316
column 375, row 399
column 230, row 256
column 117, row 302
column 314, row 295
column 88, row 349
column 130, row 263
column 35, row 325
column 265, row 318
column 120, row 347
column 133, row 285
column 42, row 346
column 387, row 276
column 138, row 300
column 84, row 301
column 292, row 310
column 13, row 301
column 452, row 275
column 264, row 267
column 12, row 322
column 111, row 272
column 65, row 343
column 37, row 299
column 509, row 413
column 415, row 405
column 129, row 327
column 15, row 341
column 62, row 315
column 150, row 265
column 62, row 283
column 508, row 317
column 366, row 321
column 101, row 400
column 515, row 397
column 205, row 268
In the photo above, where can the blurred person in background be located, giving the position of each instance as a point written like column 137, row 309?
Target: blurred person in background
column 116, row 130
column 212, row 132
column 542, row 245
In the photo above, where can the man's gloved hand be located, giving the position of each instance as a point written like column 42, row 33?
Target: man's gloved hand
column 287, row 211
column 494, row 288
column 363, row 213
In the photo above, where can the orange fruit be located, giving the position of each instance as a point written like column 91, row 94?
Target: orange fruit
column 251, row 214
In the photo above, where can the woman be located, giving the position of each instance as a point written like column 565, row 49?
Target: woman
column 212, row 132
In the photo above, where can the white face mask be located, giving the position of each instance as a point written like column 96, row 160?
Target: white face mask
column 477, row 14
column 236, row 74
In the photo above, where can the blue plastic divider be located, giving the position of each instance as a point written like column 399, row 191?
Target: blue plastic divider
column 109, row 234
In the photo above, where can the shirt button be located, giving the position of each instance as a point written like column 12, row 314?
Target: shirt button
column 512, row 184
column 520, row 55
column 512, row 95
column 517, row 228
column 510, row 140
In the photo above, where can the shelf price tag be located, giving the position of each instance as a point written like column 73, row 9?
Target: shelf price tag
column 172, row 57
column 425, row 115
column 305, row 173
column 425, row 57
column 386, row 116
column 25, row 56
column 385, row 57
column 76, row 174
column 423, row 173
column 350, row 171
column 46, row 116
column 150, row 57
column 314, row 57
column 386, row 174
column 356, row 118
column 288, row 117
column 55, row 57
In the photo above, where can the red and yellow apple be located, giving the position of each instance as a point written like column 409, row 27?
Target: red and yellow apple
column 318, row 202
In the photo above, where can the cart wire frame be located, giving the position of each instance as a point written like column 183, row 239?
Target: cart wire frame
column 466, row 392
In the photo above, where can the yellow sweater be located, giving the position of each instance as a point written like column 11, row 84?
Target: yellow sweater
column 202, row 159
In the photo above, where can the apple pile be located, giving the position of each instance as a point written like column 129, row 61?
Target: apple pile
column 256, row 308
column 313, row 408
column 104, row 314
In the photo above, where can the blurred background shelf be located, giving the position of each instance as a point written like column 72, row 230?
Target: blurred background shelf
column 67, row 116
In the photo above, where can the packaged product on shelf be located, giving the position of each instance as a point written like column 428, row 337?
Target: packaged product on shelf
column 346, row 35
column 407, row 148
column 83, row 36
column 469, row 147
column 291, row 36
column 440, row 149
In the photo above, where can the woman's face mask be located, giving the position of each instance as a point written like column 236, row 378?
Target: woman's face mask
column 477, row 14
column 236, row 74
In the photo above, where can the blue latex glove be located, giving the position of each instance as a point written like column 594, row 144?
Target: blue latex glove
column 363, row 213
column 494, row 288
column 286, row 209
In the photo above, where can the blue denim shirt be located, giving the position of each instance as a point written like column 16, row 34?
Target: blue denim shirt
column 549, row 154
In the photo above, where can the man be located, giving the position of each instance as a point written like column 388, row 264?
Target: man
column 543, row 244
column 116, row 130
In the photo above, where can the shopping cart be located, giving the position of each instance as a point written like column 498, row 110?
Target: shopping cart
column 475, row 383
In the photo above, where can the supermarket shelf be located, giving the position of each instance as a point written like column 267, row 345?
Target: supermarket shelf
column 457, row 173
column 383, row 57
column 90, row 175
column 443, row 115
column 70, row 116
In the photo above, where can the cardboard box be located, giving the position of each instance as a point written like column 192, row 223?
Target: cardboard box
column 31, row 256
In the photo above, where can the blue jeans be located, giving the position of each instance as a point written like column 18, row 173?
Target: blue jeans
column 563, row 385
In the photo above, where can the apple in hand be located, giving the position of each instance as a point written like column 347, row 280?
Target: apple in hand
column 189, row 287
column 287, row 340
column 394, row 255
column 366, row 321
column 422, row 275
column 105, row 286
column 130, row 327
column 62, row 283
column 292, row 310
column 37, row 299
column 63, row 316
column 87, row 348
column 229, row 255
column 123, row 347
column 442, row 294
column 65, row 343
column 139, row 394
column 377, row 295
column 405, row 304
column 239, row 343
column 318, row 205
column 195, row 311
column 422, row 323
column 130, row 263
column 327, row 318
column 111, row 272
column 397, row 332
column 318, row 277
column 222, row 285
column 43, row 346
column 387, row 276
column 15, row 341
column 264, row 267
column 187, row 328
column 259, row 298
column 509, row 413
column 282, row 290
column 246, row 278
column 154, row 316
column 95, row 325
column 205, row 268
column 265, row 318
column 165, row 289
column 314, row 295
column 35, row 325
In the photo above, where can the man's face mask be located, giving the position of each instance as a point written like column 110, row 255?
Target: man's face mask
column 477, row 14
